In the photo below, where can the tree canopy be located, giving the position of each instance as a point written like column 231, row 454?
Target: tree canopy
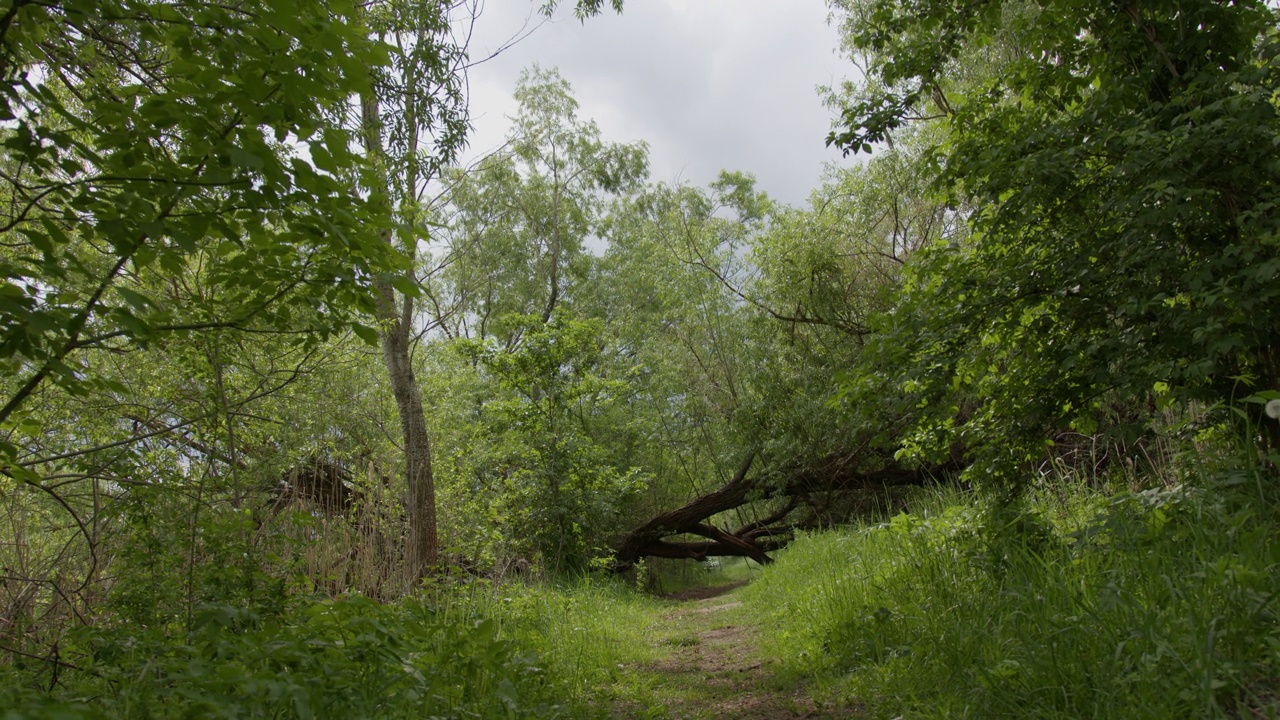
column 1110, row 163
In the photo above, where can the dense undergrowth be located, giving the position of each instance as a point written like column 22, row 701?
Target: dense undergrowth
column 465, row 651
column 351, row 657
column 1073, row 602
column 1149, row 597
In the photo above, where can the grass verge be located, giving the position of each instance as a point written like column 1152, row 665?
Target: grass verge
column 592, row 636
column 1159, row 604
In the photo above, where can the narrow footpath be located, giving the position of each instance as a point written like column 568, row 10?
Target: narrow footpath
column 709, row 667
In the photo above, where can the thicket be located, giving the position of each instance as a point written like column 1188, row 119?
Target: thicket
column 1135, row 597
column 1096, row 352
column 347, row 657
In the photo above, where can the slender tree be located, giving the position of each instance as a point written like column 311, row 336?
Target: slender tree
column 413, row 121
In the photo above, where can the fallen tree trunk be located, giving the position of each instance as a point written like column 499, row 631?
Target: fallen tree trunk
column 676, row 522
column 756, row 539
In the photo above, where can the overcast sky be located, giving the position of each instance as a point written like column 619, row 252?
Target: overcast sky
column 709, row 84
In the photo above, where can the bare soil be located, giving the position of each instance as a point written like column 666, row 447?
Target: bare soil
column 712, row 668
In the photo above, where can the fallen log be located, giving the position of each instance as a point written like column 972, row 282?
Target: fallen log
column 754, row 540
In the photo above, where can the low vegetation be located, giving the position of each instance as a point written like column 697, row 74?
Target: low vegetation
column 347, row 657
column 1155, row 600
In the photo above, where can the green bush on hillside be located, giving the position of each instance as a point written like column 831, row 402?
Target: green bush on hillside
column 1152, row 604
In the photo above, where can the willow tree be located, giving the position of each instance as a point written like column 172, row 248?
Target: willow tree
column 510, row 280
column 521, row 220
column 413, row 120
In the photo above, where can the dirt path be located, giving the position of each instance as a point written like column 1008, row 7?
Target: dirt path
column 710, row 666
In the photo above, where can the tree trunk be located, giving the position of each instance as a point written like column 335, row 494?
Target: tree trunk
column 833, row 475
column 423, row 551
column 394, row 332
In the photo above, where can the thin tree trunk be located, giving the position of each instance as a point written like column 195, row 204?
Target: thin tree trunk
column 394, row 335
column 394, row 332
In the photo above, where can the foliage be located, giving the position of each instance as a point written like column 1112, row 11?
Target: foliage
column 520, row 222
column 583, row 9
column 824, row 275
column 350, row 657
column 132, row 167
column 549, row 482
column 1117, row 171
column 172, row 263
column 1158, row 603
column 682, row 332
column 1070, row 212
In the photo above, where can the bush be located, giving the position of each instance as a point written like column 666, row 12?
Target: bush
column 1152, row 604
column 346, row 658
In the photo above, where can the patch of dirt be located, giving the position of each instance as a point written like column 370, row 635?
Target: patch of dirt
column 721, row 676
column 717, row 608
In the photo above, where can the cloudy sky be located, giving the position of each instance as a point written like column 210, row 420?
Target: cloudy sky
column 710, row 84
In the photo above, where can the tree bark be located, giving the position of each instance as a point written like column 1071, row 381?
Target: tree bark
column 394, row 333
column 754, row 540
column 673, row 522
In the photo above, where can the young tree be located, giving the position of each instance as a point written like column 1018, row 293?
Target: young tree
column 512, row 258
column 521, row 221
column 413, row 122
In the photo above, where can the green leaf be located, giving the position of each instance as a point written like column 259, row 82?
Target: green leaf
column 365, row 333
column 135, row 299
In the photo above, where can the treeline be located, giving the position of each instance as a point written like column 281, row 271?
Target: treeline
column 264, row 343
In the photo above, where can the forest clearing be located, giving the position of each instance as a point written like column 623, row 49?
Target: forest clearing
column 305, row 413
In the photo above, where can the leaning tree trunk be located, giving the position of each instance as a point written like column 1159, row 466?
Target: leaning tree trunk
column 394, row 335
column 395, row 326
column 755, row 540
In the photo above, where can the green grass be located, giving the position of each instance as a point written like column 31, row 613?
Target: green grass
column 577, row 649
column 1156, row 604
column 1072, row 603
column 630, row 655
column 591, row 635
column 605, row 645
column 466, row 651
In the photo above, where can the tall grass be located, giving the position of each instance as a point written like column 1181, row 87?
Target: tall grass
column 1159, row 603
column 591, row 635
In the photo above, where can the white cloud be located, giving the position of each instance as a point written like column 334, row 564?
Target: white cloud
column 709, row 84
